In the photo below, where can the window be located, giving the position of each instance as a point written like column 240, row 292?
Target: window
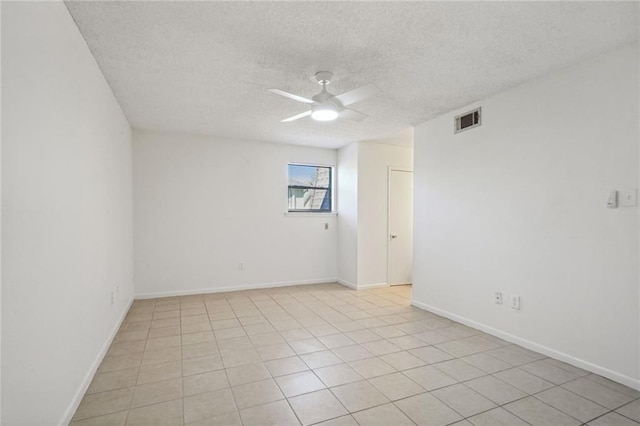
column 310, row 188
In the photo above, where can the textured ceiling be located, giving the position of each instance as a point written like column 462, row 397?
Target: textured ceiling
column 205, row 67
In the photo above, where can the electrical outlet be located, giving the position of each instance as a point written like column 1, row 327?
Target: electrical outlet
column 498, row 298
column 326, row 226
column 515, row 302
column 241, row 266
column 112, row 299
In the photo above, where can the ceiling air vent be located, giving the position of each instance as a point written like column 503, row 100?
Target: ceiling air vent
column 468, row 120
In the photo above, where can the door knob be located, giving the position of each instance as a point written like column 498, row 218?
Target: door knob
column 394, row 236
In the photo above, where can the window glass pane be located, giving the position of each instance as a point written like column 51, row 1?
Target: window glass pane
column 309, row 176
column 309, row 199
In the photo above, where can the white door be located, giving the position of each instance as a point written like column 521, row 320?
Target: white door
column 400, row 238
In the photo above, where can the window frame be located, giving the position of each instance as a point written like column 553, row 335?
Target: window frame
column 330, row 189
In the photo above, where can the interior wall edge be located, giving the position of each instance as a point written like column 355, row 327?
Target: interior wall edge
column 211, row 290
column 545, row 350
column 82, row 389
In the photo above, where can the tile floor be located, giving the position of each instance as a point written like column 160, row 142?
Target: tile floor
column 325, row 354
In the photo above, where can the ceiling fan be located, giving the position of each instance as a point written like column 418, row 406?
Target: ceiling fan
column 327, row 107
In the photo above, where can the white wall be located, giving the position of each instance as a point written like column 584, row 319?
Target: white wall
column 518, row 205
column 204, row 205
column 348, row 215
column 374, row 160
column 66, row 214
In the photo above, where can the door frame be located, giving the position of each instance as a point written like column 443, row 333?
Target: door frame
column 391, row 169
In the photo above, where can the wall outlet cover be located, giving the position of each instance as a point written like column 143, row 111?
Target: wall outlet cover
column 515, row 302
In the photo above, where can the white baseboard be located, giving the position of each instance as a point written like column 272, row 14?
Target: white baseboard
column 232, row 288
column 347, row 284
column 370, row 286
column 75, row 402
column 577, row 362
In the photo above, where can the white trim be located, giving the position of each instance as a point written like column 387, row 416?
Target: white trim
column 389, row 170
column 309, row 214
column 75, row 402
column 577, row 362
column 347, row 284
column 232, row 288
column 370, row 286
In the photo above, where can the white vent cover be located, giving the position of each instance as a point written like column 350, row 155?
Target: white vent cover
column 468, row 120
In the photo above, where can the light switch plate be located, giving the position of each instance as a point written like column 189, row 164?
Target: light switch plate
column 628, row 197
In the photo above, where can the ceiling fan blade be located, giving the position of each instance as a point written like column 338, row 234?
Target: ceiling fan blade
column 352, row 115
column 357, row 94
column 295, row 117
column 291, row 96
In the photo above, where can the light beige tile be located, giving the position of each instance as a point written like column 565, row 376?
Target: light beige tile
column 549, row 372
column 425, row 409
column 571, row 404
column 281, row 367
column 199, row 350
column 163, row 323
column 129, row 336
column 161, row 356
column 631, row 410
column 459, row 370
column 383, row 415
column 234, row 358
column 115, row 419
column 339, row 374
column 511, row 356
column 229, row 333
column 307, row 346
column 407, row 342
column 429, row 377
column 205, row 382
column 163, row 342
column 396, row 386
column 372, row 367
column 153, row 393
column 618, row 387
column 352, row 353
column 363, row 336
column 158, row 315
column 158, row 372
column 388, row 332
column 102, row 403
column 347, row 420
column 381, row 347
column 497, row 417
column 597, row 393
column 276, row 413
column 323, row 330
column 538, row 413
column 235, row 344
column 402, row 360
column 524, row 381
column 121, row 362
column 464, row 400
column 207, row 405
column 256, row 393
column 299, row 383
column 125, row 348
column 278, row 351
column 229, row 419
column 195, row 328
column 166, row 414
column 254, row 329
column 486, row 363
column 164, row 332
column 359, row 396
column 225, row 323
column 496, row 390
column 113, row 380
column 430, row 354
column 199, row 337
column 194, row 319
column 266, row 339
column 247, row 374
column 320, row 359
column 295, row 334
column 612, row 419
column 317, row 406
column 201, row 365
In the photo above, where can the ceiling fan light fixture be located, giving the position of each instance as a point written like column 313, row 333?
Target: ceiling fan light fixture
column 326, row 112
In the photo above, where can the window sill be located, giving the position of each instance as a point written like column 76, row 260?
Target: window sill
column 305, row 214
